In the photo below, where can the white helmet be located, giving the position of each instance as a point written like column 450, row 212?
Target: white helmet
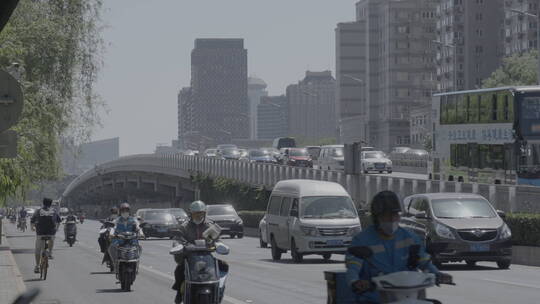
column 197, row 206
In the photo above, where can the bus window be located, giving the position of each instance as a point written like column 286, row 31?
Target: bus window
column 451, row 108
column 485, row 108
column 502, row 107
column 510, row 107
column 461, row 102
column 453, row 155
column 494, row 108
column 483, row 156
column 473, row 109
column 444, row 111
column 473, row 155
column 463, row 155
column 497, row 157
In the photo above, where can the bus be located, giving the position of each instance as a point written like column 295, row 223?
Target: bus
column 284, row 142
column 487, row 136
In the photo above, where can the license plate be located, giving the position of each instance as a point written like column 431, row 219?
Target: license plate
column 162, row 229
column 479, row 247
column 334, row 242
column 379, row 166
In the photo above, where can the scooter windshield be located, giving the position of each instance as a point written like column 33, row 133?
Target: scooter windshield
column 202, row 267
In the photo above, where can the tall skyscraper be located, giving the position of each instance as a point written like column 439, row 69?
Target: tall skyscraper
column 471, row 36
column 311, row 105
column 185, row 116
column 521, row 30
column 385, row 65
column 218, row 92
column 272, row 114
column 256, row 90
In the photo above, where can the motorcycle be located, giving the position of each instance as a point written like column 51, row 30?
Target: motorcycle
column 71, row 232
column 104, row 243
column 22, row 224
column 404, row 287
column 205, row 276
column 127, row 259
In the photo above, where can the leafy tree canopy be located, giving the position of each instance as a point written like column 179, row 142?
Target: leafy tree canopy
column 518, row 69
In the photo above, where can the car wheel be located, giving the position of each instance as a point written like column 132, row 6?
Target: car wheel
column 389, row 171
column 297, row 257
column 504, row 264
column 231, row 236
column 240, row 235
column 276, row 252
column 381, row 172
column 261, row 242
column 327, row 256
column 471, row 263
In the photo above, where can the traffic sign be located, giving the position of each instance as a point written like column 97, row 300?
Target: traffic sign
column 11, row 101
column 8, row 144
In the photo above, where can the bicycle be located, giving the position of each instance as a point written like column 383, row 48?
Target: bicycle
column 44, row 261
column 22, row 225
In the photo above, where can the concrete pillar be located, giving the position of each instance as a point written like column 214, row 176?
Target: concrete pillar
column 512, row 199
column 493, row 196
column 368, row 189
column 475, row 188
column 378, row 183
column 401, row 188
column 390, row 184
column 348, row 185
column 442, row 186
column 428, row 186
column 458, row 187
column 414, row 186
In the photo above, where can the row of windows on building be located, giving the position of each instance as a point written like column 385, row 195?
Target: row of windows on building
column 481, row 156
column 477, row 108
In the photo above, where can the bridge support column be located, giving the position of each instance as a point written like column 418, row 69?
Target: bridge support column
column 458, row 187
column 475, row 188
column 493, row 197
column 512, row 199
column 415, row 186
column 367, row 185
column 428, row 186
column 391, row 183
column 442, row 186
column 378, row 184
column 402, row 188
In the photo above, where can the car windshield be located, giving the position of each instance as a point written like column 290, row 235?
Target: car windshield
column 178, row 213
column 158, row 216
column 327, row 207
column 374, row 155
column 301, row 152
column 213, row 151
column 337, row 152
column 257, row 153
column 231, row 152
column 220, row 210
column 462, row 208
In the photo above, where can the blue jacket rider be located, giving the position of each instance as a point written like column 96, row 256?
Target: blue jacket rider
column 126, row 223
column 390, row 246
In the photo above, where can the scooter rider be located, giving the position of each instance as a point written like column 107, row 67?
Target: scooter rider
column 45, row 221
column 390, row 245
column 189, row 232
column 70, row 219
column 124, row 223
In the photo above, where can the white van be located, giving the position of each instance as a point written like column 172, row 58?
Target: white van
column 331, row 158
column 310, row 217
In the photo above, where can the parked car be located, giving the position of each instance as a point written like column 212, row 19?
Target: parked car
column 331, row 158
column 460, row 227
column 243, row 152
column 375, row 161
column 310, row 217
column 313, row 152
column 225, row 146
column 233, row 154
column 297, row 157
column 159, row 223
column 179, row 214
column 259, row 156
column 140, row 212
column 263, row 236
column 226, row 217
column 210, row 152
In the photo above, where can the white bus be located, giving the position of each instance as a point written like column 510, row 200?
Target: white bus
column 487, row 136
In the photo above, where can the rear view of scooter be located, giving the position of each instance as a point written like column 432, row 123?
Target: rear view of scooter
column 205, row 275
column 71, row 232
column 105, row 242
column 127, row 259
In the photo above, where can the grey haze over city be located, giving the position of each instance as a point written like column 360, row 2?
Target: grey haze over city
column 147, row 60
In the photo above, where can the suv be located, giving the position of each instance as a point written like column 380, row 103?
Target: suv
column 459, row 227
column 159, row 223
column 227, row 219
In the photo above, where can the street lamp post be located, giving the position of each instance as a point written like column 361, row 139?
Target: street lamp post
column 537, row 17
column 362, row 86
column 455, row 59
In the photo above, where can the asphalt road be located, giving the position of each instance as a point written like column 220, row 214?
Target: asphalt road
column 76, row 276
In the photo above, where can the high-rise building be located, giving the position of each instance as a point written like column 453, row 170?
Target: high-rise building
column 256, row 90
column 185, row 115
column 521, row 29
column 311, row 106
column 385, row 65
column 218, row 92
column 272, row 117
column 471, row 39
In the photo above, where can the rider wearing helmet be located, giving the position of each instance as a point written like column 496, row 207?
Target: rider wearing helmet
column 189, row 232
column 114, row 215
column 124, row 223
column 391, row 248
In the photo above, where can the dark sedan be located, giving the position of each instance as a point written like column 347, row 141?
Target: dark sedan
column 259, row 156
column 158, row 223
column 226, row 217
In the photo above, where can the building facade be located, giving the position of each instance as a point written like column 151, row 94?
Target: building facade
column 218, row 92
column 472, row 38
column 421, row 126
column 521, row 30
column 311, row 106
column 256, row 90
column 272, row 119
column 185, row 115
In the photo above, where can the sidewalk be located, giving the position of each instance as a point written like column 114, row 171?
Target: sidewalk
column 11, row 281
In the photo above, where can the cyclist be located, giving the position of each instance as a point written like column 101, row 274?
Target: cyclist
column 45, row 221
column 22, row 217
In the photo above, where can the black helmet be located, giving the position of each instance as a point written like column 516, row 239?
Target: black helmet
column 47, row 202
column 114, row 210
column 124, row 207
column 385, row 202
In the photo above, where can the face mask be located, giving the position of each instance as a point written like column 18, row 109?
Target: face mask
column 198, row 220
column 389, row 228
column 125, row 214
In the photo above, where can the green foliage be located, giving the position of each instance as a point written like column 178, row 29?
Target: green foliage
column 518, row 69
column 525, row 229
column 58, row 47
column 251, row 218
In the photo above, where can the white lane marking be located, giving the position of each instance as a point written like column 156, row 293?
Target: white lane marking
column 170, row 277
column 512, row 283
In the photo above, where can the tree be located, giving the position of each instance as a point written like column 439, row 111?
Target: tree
column 518, row 69
column 58, row 46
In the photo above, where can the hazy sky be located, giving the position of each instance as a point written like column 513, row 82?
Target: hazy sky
column 149, row 44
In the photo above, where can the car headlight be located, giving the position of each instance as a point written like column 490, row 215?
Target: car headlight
column 506, row 233
column 444, row 231
column 354, row 230
column 309, row 231
column 239, row 221
column 292, row 160
column 389, row 163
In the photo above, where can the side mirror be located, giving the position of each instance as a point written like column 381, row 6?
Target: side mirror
column 502, row 214
column 222, row 249
column 294, row 213
column 361, row 252
column 362, row 212
column 421, row 215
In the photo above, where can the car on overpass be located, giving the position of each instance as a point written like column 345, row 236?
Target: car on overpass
column 259, row 156
column 375, row 161
column 331, row 157
column 459, row 227
column 297, row 157
column 230, row 154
